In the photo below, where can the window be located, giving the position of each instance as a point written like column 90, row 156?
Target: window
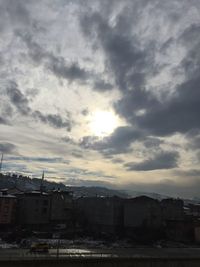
column 6, row 209
column 45, row 202
column 44, row 211
column 7, row 201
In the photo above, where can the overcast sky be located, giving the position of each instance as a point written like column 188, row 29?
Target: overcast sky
column 102, row 92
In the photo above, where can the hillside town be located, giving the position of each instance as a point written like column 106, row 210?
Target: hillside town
column 47, row 213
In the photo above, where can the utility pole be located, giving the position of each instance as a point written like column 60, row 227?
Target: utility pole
column 1, row 163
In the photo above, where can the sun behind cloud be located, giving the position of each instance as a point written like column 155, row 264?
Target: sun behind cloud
column 103, row 123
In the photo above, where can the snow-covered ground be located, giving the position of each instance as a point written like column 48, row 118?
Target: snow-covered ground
column 7, row 245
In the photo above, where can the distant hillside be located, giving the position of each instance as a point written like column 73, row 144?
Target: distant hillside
column 92, row 191
column 26, row 183
column 157, row 196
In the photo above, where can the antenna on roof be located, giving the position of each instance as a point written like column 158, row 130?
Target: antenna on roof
column 42, row 183
column 1, row 163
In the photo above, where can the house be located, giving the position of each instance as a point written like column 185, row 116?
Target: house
column 7, row 208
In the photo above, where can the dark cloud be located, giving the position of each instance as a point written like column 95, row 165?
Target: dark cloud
column 118, row 142
column 191, row 40
column 88, row 141
column 18, row 99
column 162, row 160
column 16, row 13
column 36, row 52
column 71, row 72
column 3, row 121
column 117, row 160
column 32, row 92
column 54, row 120
column 152, row 142
column 7, row 148
column 85, row 112
column 40, row 159
column 179, row 114
column 21, row 102
column 135, row 101
column 68, row 140
column 131, row 66
column 77, row 154
column 124, row 57
column 102, row 86
column 193, row 138
column 57, row 65
column 167, row 45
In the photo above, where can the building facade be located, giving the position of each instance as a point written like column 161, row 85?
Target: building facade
column 142, row 212
column 33, row 208
column 7, row 208
column 61, row 207
column 172, row 209
column 102, row 214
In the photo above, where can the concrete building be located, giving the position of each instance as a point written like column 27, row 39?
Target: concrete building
column 101, row 214
column 142, row 219
column 7, row 208
column 61, row 207
column 181, row 230
column 33, row 208
column 194, row 210
column 172, row 209
column 142, row 211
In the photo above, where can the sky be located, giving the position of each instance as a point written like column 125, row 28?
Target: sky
column 102, row 93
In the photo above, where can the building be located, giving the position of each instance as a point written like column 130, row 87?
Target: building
column 33, row 208
column 142, row 211
column 194, row 209
column 172, row 209
column 7, row 208
column 181, row 230
column 142, row 219
column 61, row 207
column 101, row 214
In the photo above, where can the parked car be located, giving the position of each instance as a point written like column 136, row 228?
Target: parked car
column 39, row 247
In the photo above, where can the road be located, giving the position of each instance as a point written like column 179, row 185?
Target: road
column 11, row 254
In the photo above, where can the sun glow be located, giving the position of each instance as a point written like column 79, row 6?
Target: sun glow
column 103, row 123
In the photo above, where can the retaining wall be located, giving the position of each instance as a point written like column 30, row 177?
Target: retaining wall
column 103, row 262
